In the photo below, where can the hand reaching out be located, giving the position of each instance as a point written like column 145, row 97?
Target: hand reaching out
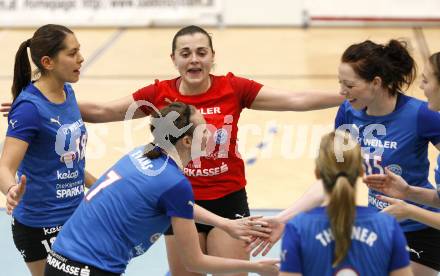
column 263, row 245
column 389, row 183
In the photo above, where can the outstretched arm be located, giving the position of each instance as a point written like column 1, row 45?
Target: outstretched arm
column 395, row 186
column 282, row 100
column 89, row 179
column 108, row 112
column 240, row 229
column 194, row 260
column 402, row 210
column 313, row 197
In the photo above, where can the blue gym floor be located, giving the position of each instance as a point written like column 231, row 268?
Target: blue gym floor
column 152, row 263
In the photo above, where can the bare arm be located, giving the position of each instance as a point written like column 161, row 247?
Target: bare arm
column 289, row 274
column 395, row 186
column 108, row 112
column 402, row 210
column 281, row 100
column 89, row 179
column 406, row 271
column 310, row 199
column 423, row 196
column 13, row 153
column 194, row 260
column 240, row 229
column 424, row 216
column 313, row 197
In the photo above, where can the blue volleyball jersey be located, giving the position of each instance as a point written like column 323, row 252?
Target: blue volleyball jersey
column 399, row 142
column 125, row 212
column 377, row 247
column 54, row 161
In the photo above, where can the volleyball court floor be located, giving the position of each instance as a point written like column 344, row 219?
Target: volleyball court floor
column 278, row 147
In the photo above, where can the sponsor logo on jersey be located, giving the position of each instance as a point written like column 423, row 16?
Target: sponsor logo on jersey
column 415, row 252
column 67, row 175
column 210, row 110
column 395, row 169
column 84, row 271
column 372, row 200
column 68, row 157
column 51, row 230
column 56, row 120
column 283, row 255
column 376, row 143
column 12, row 123
column 71, row 192
column 61, row 265
column 206, row 172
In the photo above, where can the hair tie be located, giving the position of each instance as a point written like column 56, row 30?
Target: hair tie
column 28, row 42
column 341, row 174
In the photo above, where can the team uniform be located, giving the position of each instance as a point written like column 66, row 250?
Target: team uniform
column 53, row 164
column 122, row 215
column 218, row 180
column 378, row 245
column 399, row 142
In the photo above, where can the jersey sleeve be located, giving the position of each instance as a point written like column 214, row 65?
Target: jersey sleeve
column 146, row 93
column 178, row 201
column 290, row 250
column 399, row 253
column 245, row 89
column 340, row 116
column 23, row 122
column 428, row 124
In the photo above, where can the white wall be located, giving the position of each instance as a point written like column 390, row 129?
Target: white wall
column 207, row 12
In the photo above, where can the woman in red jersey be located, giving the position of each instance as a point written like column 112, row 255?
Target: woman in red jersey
column 218, row 179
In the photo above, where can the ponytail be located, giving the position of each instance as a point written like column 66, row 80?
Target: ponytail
column 22, row 69
column 341, row 211
column 339, row 180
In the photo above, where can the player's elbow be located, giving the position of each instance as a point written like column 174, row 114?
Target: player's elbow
column 194, row 263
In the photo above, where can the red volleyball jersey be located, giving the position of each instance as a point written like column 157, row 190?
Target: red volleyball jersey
column 221, row 172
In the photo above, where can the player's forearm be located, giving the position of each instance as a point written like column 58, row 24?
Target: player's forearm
column 89, row 179
column 310, row 199
column 423, row 196
column 99, row 113
column 204, row 216
column 7, row 179
column 424, row 216
column 319, row 100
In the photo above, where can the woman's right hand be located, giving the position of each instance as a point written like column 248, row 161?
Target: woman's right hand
column 14, row 195
column 268, row 267
column 390, row 184
column 5, row 108
column 263, row 245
